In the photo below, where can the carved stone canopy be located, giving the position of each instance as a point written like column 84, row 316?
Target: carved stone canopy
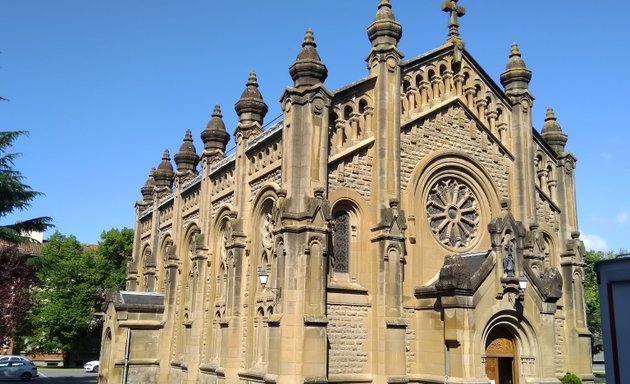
column 464, row 273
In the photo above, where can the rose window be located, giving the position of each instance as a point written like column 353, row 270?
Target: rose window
column 453, row 213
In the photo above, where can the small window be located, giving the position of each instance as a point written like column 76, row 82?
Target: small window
column 341, row 242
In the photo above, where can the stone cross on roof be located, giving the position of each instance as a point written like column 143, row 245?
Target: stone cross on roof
column 455, row 11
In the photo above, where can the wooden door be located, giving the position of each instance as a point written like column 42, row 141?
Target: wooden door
column 492, row 368
column 500, row 357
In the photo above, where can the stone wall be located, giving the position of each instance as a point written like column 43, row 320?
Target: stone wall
column 452, row 130
column 347, row 334
column 205, row 378
column 223, row 180
column 546, row 213
column 353, row 171
column 410, row 339
column 559, row 352
column 256, row 185
column 220, row 203
column 175, row 377
column 142, row 375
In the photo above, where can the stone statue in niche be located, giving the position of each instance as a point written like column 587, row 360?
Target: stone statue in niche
column 224, row 247
column 508, row 260
column 146, row 257
column 192, row 246
column 229, row 230
column 267, row 231
column 169, row 250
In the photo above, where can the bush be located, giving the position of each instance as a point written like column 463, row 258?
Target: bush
column 570, row 378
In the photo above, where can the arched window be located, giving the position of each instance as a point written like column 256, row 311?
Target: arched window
column 221, row 283
column 550, row 257
column 341, row 242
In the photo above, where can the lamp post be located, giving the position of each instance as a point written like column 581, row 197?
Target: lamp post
column 263, row 277
column 522, row 286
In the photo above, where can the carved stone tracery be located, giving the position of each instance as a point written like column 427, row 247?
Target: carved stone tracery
column 453, row 213
column 341, row 242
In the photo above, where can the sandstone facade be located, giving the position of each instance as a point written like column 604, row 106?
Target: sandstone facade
column 393, row 220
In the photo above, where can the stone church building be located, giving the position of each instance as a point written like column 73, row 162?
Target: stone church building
column 410, row 227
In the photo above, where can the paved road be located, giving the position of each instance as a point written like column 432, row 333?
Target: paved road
column 62, row 376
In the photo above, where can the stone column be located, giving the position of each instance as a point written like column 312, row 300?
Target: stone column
column 516, row 79
column 388, row 351
column 300, row 335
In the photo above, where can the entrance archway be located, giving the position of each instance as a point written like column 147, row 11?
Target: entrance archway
column 501, row 360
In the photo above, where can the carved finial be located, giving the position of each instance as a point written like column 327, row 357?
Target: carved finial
column 216, row 112
column 384, row 3
column 552, row 132
column 308, row 68
column 252, row 80
column 516, row 60
column 309, row 38
column 215, row 136
column 149, row 187
column 550, row 116
column 455, row 11
column 186, row 158
column 166, row 160
column 251, row 107
column 516, row 75
column 164, row 174
column 385, row 30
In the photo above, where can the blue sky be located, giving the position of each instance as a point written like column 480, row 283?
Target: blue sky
column 105, row 86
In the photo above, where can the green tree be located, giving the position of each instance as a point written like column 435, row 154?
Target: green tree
column 65, row 298
column 591, row 297
column 73, row 281
column 15, row 195
column 112, row 254
column 570, row 378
